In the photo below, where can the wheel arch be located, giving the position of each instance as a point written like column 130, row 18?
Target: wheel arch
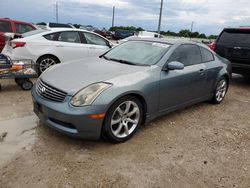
column 48, row 55
column 137, row 95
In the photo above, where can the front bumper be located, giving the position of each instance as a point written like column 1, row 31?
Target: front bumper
column 240, row 68
column 69, row 120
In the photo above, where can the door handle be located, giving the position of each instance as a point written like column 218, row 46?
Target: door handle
column 59, row 45
column 92, row 48
column 202, row 72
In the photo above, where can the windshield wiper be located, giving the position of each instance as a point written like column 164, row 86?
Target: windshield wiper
column 127, row 62
column 105, row 57
column 122, row 61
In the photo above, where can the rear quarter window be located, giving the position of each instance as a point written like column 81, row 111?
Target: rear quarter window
column 5, row 26
column 52, row 36
column 235, row 36
column 206, row 55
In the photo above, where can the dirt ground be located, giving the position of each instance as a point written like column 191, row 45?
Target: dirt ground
column 202, row 146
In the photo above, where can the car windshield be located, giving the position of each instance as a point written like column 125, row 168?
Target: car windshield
column 138, row 52
column 34, row 32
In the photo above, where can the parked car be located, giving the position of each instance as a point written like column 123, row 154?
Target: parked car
column 234, row 44
column 142, row 34
column 13, row 26
column 50, row 47
column 122, row 34
column 135, row 82
column 53, row 25
column 88, row 28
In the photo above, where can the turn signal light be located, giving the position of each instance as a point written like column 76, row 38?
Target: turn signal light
column 97, row 116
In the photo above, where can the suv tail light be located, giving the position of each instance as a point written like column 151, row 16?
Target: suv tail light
column 212, row 46
column 17, row 44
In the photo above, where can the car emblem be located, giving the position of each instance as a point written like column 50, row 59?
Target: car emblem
column 43, row 89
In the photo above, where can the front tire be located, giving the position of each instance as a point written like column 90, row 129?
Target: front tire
column 123, row 119
column 220, row 91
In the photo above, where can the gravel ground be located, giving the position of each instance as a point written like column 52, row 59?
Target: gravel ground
column 201, row 146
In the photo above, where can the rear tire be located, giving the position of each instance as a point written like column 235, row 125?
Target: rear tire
column 27, row 85
column 45, row 62
column 19, row 81
column 123, row 119
column 220, row 90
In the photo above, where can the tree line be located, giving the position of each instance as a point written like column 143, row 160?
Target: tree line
column 181, row 33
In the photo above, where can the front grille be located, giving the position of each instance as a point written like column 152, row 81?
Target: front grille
column 46, row 91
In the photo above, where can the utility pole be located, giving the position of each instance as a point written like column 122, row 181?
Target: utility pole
column 56, row 12
column 113, row 17
column 192, row 25
column 159, row 24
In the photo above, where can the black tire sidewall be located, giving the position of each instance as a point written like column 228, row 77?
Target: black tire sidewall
column 24, row 85
column 107, row 132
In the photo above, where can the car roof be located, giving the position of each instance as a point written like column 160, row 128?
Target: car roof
column 237, row 28
column 65, row 29
column 17, row 21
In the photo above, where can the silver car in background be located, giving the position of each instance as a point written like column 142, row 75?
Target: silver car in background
column 133, row 83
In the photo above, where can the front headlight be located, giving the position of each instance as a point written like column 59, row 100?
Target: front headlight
column 87, row 95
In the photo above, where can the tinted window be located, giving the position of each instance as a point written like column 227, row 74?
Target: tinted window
column 69, row 36
column 147, row 53
column 23, row 28
column 5, row 26
column 94, row 39
column 187, row 54
column 52, row 36
column 206, row 55
column 235, row 36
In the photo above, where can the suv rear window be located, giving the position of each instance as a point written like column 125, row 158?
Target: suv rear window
column 5, row 26
column 235, row 36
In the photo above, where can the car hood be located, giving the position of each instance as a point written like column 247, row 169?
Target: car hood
column 73, row 76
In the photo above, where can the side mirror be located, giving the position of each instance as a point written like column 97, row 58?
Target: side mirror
column 174, row 65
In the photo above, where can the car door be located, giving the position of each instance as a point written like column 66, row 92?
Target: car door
column 96, row 44
column 180, row 87
column 69, row 46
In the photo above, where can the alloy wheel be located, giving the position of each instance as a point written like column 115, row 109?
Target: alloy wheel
column 46, row 63
column 125, row 119
column 221, row 90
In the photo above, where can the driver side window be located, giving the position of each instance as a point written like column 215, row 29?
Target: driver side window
column 187, row 54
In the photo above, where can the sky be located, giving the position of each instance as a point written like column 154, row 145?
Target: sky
column 209, row 16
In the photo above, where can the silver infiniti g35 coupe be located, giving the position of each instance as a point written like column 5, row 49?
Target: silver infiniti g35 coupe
column 133, row 83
